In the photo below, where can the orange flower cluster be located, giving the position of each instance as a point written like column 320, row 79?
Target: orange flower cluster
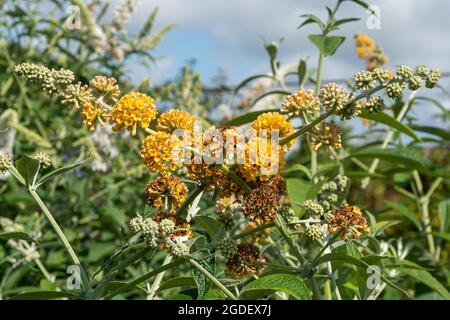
column 368, row 49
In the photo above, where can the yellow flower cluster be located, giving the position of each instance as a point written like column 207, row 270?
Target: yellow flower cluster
column 162, row 152
column 262, row 160
column 175, row 119
column 368, row 49
column 272, row 121
column 132, row 109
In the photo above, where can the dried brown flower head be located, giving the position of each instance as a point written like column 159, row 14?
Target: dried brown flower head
column 245, row 261
column 349, row 218
column 262, row 204
column 166, row 189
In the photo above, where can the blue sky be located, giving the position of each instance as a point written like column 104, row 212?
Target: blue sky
column 227, row 34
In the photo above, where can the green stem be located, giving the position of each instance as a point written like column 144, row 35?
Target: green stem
column 143, row 278
column 289, row 241
column 373, row 167
column 319, row 73
column 325, row 115
column 157, row 283
column 213, row 279
column 63, row 239
column 329, row 243
column 125, row 263
column 254, row 230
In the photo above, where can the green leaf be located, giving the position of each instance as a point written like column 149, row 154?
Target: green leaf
column 61, row 170
column 364, row 174
column 382, row 225
column 442, row 235
column 361, row 3
column 386, row 119
column 28, row 168
column 310, row 18
column 439, row 105
column 270, row 93
column 444, row 215
column 326, row 45
column 427, row 279
column 215, row 294
column 44, row 295
column 346, row 20
column 100, row 250
column 404, row 156
column 330, row 257
column 296, row 168
column 404, row 211
column 250, row 79
column 301, row 73
column 203, row 283
column 177, row 282
column 297, row 190
column 16, row 236
column 248, row 117
column 444, row 134
column 288, row 283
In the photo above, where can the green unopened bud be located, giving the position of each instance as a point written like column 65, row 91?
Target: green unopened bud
column 414, row 83
column 395, row 89
column 341, row 182
column 167, row 226
column 287, row 213
column 312, row 207
column 314, row 232
column 136, row 224
column 226, row 220
column 364, row 80
column 328, row 216
column 433, row 78
column 381, row 74
column 422, row 71
column 404, row 72
column 351, row 111
column 5, row 162
column 334, row 97
column 374, row 104
column 43, row 158
column 227, row 247
column 180, row 249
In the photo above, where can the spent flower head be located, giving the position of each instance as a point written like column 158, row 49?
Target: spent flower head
column 166, row 190
column 245, row 261
column 348, row 219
